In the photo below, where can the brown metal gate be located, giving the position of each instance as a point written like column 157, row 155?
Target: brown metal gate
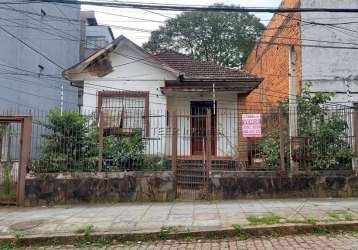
column 15, row 140
column 192, row 166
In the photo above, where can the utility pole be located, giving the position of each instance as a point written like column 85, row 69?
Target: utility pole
column 292, row 106
column 61, row 108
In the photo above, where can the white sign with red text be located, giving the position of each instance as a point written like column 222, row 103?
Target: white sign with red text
column 251, row 125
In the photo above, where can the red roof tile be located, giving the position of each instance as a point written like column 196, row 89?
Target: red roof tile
column 197, row 69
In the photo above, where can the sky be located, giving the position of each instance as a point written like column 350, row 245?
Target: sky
column 119, row 24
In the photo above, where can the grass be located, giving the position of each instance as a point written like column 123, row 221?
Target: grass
column 166, row 230
column 86, row 230
column 312, row 221
column 241, row 235
column 340, row 216
column 7, row 245
column 269, row 219
column 92, row 243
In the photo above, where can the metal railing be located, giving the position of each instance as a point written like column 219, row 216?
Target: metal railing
column 127, row 138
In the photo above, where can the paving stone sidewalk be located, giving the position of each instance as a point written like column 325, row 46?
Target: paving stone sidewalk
column 151, row 217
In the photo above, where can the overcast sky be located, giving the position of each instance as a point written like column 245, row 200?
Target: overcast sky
column 109, row 16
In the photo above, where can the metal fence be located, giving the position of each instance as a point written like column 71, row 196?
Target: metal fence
column 188, row 141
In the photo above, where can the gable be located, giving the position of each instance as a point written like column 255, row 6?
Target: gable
column 116, row 57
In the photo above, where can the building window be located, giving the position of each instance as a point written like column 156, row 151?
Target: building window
column 95, row 42
column 124, row 112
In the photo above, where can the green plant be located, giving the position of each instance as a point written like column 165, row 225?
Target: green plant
column 166, row 230
column 325, row 129
column 156, row 163
column 86, row 230
column 340, row 216
column 312, row 221
column 124, row 151
column 7, row 182
column 92, row 243
column 237, row 227
column 7, row 245
column 269, row 219
column 70, row 143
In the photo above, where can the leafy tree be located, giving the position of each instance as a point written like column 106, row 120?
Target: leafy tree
column 222, row 38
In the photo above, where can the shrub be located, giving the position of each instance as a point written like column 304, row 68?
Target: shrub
column 325, row 129
column 69, row 144
column 121, row 152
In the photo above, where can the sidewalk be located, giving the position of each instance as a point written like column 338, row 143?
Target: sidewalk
column 152, row 217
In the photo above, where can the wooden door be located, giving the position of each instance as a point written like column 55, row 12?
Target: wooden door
column 198, row 127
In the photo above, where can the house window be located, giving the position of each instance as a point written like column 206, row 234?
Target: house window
column 125, row 112
column 95, row 42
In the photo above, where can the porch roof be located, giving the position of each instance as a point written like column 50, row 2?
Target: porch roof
column 207, row 85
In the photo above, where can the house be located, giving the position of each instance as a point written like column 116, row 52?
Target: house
column 312, row 48
column 125, row 81
column 95, row 36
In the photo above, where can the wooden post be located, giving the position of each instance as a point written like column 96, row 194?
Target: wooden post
column 355, row 134
column 174, row 122
column 26, row 131
column 282, row 140
column 208, row 141
column 100, row 140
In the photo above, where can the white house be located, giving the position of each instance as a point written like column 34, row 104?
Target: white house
column 136, row 89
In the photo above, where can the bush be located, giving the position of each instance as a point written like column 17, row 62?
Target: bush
column 69, row 144
column 325, row 129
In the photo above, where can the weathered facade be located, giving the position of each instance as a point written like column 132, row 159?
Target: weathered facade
column 319, row 45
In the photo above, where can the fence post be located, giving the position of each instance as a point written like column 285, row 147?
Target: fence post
column 174, row 122
column 100, row 140
column 208, row 142
column 355, row 134
column 282, row 140
column 26, row 131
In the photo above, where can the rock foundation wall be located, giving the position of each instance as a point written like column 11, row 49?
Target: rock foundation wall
column 48, row 189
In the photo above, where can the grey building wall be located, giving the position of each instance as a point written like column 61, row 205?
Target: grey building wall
column 331, row 69
column 27, row 79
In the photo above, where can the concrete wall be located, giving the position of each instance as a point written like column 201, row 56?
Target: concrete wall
column 327, row 68
column 53, row 35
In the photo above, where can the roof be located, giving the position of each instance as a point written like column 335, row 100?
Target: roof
column 108, row 48
column 197, row 69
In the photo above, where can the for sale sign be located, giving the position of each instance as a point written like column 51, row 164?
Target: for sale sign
column 251, row 125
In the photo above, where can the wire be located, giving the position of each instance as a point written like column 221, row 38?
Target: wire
column 176, row 7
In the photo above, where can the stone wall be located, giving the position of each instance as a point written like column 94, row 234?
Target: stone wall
column 226, row 186
column 72, row 188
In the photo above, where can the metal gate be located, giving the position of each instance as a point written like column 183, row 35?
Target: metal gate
column 192, row 152
column 15, row 137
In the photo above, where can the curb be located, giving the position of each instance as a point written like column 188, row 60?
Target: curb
column 248, row 231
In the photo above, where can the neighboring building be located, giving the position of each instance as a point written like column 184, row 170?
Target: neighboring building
column 124, row 79
column 95, row 36
column 305, row 47
column 38, row 41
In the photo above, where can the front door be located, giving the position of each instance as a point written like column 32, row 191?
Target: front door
column 199, row 111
